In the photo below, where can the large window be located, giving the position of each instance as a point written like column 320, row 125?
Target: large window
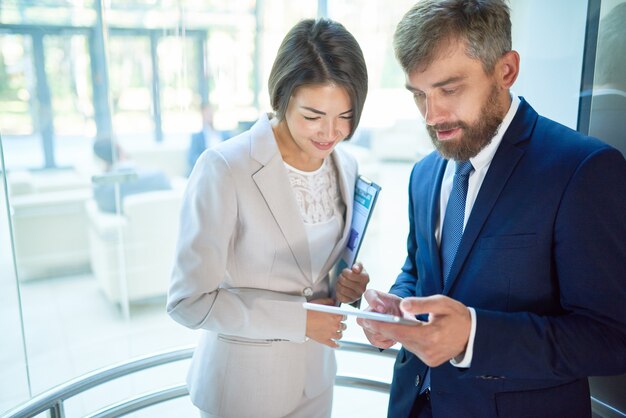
column 84, row 288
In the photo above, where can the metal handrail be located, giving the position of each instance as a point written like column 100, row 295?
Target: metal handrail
column 139, row 402
column 53, row 399
column 152, row 398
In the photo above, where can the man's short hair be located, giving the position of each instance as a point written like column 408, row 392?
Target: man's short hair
column 431, row 25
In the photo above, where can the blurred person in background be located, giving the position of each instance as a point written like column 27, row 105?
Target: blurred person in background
column 119, row 169
column 208, row 137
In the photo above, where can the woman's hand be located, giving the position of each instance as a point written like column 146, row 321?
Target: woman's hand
column 351, row 284
column 323, row 327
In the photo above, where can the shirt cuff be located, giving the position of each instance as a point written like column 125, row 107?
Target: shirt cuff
column 464, row 360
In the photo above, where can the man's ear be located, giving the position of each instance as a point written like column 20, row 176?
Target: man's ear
column 507, row 69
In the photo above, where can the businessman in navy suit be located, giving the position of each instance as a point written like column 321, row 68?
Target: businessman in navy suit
column 206, row 138
column 516, row 262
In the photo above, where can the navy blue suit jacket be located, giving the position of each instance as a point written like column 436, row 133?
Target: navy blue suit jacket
column 543, row 262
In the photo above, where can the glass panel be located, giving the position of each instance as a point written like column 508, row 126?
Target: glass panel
column 68, row 73
column 16, row 73
column 18, row 100
column 278, row 16
column 79, row 265
column 56, row 12
column 47, row 205
column 179, row 72
column 130, row 78
column 230, row 56
column 608, row 122
column 13, row 367
column 608, row 103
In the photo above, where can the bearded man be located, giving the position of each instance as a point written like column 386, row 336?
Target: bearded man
column 517, row 239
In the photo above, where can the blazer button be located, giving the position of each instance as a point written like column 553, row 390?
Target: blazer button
column 417, row 380
column 307, row 291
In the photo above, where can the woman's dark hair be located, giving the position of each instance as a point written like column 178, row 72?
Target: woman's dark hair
column 318, row 51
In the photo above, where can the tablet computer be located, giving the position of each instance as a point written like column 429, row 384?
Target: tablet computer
column 374, row 316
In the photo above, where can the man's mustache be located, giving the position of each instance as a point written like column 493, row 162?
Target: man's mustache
column 447, row 126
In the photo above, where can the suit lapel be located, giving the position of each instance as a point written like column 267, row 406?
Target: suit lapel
column 502, row 166
column 273, row 182
column 433, row 220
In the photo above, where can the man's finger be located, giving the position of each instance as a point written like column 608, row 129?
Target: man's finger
column 378, row 327
column 422, row 305
column 379, row 340
column 373, row 300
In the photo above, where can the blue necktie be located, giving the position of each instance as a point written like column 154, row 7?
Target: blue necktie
column 452, row 229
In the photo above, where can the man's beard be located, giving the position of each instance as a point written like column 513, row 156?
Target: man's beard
column 474, row 137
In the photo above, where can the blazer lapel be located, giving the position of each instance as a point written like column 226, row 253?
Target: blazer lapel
column 273, row 183
column 502, row 166
column 433, row 220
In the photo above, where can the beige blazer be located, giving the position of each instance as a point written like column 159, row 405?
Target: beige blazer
column 241, row 273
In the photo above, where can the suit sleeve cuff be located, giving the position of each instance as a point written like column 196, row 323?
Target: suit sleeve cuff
column 464, row 360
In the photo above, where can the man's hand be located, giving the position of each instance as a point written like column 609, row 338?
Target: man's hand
column 382, row 303
column 441, row 338
column 351, row 284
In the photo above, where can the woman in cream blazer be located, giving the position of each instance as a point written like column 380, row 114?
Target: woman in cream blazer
column 246, row 260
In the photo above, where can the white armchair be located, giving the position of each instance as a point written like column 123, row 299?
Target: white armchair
column 49, row 222
column 135, row 249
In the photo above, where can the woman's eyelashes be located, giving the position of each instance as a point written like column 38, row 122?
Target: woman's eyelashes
column 344, row 117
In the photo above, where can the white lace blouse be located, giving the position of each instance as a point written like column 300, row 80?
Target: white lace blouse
column 321, row 207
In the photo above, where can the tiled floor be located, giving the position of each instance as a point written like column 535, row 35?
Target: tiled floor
column 71, row 328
